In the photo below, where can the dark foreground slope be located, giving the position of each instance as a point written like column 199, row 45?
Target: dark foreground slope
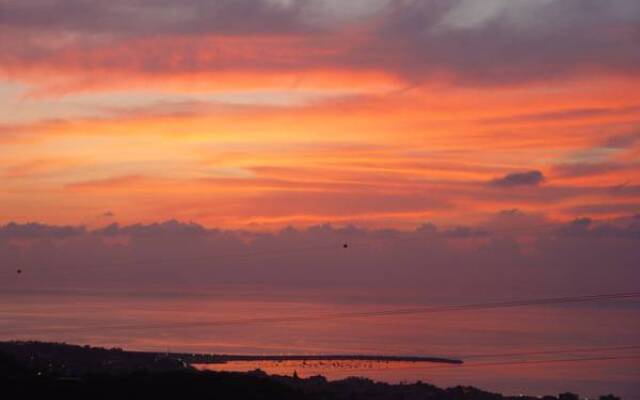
column 42, row 371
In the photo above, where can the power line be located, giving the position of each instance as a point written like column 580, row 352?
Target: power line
column 479, row 232
column 552, row 361
column 256, row 253
column 550, row 352
column 393, row 312
column 303, row 249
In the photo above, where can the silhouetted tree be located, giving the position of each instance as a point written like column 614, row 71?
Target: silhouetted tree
column 568, row 396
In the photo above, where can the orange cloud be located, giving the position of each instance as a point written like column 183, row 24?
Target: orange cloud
column 385, row 152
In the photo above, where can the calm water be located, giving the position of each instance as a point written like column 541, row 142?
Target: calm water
column 172, row 322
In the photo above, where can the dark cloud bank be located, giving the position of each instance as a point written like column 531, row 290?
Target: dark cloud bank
column 518, row 42
column 512, row 256
column 528, row 178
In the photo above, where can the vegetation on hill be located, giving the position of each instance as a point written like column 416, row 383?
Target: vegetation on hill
column 46, row 370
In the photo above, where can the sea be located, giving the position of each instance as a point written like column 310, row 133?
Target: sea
column 589, row 348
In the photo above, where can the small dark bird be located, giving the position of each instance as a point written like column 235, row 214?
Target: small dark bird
column 345, row 245
column 19, row 271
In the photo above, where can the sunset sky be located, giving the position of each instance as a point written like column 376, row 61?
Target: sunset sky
column 170, row 161
column 260, row 114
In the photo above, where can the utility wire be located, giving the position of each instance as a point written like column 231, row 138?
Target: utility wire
column 549, row 352
column 382, row 313
column 530, row 362
column 314, row 248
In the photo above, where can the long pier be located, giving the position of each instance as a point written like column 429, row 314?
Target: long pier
column 224, row 358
